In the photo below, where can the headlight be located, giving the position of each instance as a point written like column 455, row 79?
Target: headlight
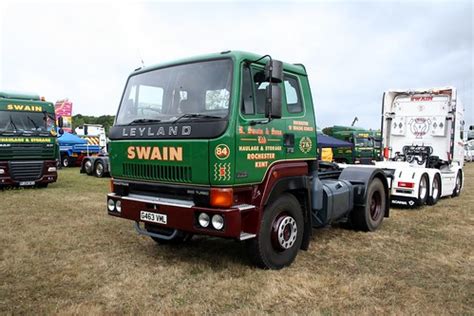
column 118, row 206
column 52, row 169
column 111, row 205
column 217, row 222
column 203, row 219
column 2, row 171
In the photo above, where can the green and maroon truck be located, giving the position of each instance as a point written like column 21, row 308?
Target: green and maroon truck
column 28, row 146
column 225, row 145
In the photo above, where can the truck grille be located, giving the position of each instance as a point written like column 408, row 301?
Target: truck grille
column 26, row 170
column 157, row 172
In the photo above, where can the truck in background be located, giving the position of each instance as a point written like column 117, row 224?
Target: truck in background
column 422, row 137
column 74, row 149
column 94, row 134
column 97, row 165
column 362, row 140
column 189, row 157
column 377, row 140
column 28, row 147
column 470, row 132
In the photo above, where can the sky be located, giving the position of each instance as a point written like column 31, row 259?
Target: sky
column 353, row 50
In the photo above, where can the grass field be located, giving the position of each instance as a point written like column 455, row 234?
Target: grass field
column 61, row 253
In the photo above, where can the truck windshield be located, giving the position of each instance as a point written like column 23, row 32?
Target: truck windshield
column 26, row 122
column 364, row 142
column 196, row 91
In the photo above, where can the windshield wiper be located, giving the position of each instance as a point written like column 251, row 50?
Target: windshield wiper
column 34, row 123
column 13, row 123
column 143, row 121
column 194, row 115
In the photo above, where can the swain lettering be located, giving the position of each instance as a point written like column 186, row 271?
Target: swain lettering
column 155, row 153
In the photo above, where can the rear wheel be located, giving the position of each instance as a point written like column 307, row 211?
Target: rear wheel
column 458, row 187
column 435, row 191
column 88, row 167
column 99, row 169
column 370, row 216
column 422, row 191
column 280, row 235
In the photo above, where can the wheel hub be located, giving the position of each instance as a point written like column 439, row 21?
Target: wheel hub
column 375, row 206
column 284, row 232
column 88, row 166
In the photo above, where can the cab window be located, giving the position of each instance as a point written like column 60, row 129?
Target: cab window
column 293, row 95
column 253, row 91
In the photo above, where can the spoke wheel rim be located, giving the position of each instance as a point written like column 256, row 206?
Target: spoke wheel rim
column 375, row 206
column 99, row 168
column 284, row 232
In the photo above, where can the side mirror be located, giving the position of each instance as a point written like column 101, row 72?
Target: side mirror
column 274, row 71
column 86, row 130
column 61, row 131
column 273, row 101
column 60, row 122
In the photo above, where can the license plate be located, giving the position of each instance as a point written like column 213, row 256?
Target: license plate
column 24, row 183
column 153, row 217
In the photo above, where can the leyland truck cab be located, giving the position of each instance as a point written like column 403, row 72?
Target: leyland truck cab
column 225, row 145
column 28, row 147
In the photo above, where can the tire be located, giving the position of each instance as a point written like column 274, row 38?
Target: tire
column 99, row 169
column 370, row 216
column 65, row 162
column 423, row 191
column 436, row 191
column 458, row 186
column 88, row 168
column 280, row 234
column 180, row 237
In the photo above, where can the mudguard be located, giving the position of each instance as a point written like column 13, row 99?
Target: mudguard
column 360, row 178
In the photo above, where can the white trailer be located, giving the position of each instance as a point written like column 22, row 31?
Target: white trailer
column 422, row 138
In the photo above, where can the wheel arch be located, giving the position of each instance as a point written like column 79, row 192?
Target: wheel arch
column 289, row 177
column 360, row 178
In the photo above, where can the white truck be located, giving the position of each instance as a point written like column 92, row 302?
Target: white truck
column 97, row 165
column 422, row 139
column 94, row 134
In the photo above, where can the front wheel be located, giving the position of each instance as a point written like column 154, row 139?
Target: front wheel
column 65, row 161
column 435, row 191
column 280, row 234
column 370, row 216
